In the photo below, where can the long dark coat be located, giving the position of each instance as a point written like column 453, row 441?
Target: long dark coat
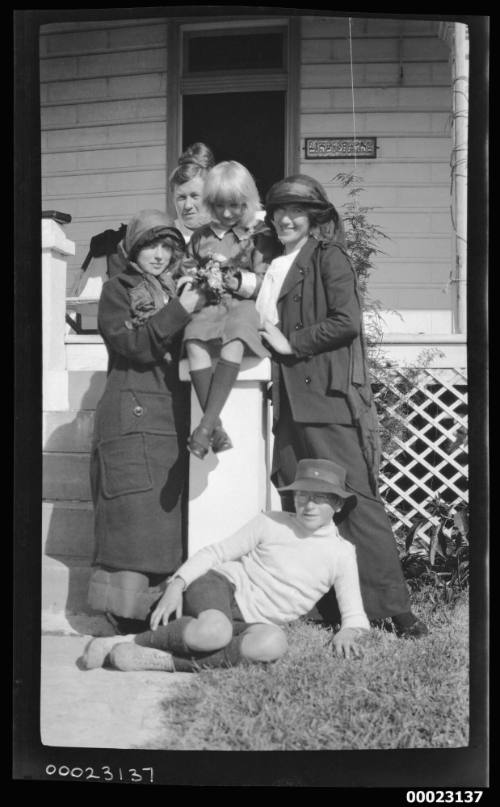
column 326, row 380
column 139, row 462
column 323, row 409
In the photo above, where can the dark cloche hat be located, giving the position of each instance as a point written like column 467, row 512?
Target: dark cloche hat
column 148, row 225
column 299, row 189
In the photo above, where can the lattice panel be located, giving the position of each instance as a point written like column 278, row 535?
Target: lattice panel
column 423, row 417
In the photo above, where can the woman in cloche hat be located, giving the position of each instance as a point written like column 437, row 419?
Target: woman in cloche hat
column 139, row 462
column 311, row 317
column 236, row 595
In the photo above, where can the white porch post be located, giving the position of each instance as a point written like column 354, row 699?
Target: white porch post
column 226, row 490
column 55, row 249
column 455, row 35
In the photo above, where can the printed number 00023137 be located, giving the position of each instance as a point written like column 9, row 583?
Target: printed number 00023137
column 443, row 796
column 103, row 773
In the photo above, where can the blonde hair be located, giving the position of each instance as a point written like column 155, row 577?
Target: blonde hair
column 230, row 181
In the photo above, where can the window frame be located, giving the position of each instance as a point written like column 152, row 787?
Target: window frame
column 245, row 80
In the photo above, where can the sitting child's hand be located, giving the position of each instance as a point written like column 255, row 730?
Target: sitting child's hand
column 170, row 601
column 346, row 644
column 181, row 282
column 231, row 282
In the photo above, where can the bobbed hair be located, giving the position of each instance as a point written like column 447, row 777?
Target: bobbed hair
column 230, row 182
column 195, row 161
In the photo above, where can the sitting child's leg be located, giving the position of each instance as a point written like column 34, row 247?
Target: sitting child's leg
column 206, row 633
column 263, row 643
column 130, row 656
column 256, row 643
column 201, row 373
column 225, row 375
column 206, row 627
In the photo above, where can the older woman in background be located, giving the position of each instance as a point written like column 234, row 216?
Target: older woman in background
column 186, row 187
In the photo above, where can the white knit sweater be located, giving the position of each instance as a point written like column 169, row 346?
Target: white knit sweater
column 280, row 569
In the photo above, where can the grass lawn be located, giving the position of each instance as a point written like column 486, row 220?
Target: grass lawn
column 401, row 694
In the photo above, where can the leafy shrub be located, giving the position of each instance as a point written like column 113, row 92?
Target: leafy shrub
column 444, row 560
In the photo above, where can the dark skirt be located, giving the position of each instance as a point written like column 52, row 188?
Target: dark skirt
column 367, row 526
column 228, row 320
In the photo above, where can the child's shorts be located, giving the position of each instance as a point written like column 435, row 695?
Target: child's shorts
column 213, row 590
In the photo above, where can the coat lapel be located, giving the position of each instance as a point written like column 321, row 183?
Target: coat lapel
column 298, row 268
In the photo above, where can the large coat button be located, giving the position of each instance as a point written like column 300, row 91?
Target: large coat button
column 296, row 298
column 138, row 411
column 298, row 326
column 307, row 379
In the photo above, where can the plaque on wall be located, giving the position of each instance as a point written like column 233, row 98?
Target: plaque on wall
column 340, row 148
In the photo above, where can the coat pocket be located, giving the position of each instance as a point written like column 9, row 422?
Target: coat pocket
column 150, row 412
column 124, row 466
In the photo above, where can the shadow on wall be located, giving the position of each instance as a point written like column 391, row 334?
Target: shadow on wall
column 68, row 518
column 67, row 521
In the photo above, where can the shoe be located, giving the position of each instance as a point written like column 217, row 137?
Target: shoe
column 408, row 626
column 97, row 651
column 129, row 656
column 199, row 442
column 220, row 440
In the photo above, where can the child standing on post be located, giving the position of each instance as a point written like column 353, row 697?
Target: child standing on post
column 241, row 247
column 237, row 594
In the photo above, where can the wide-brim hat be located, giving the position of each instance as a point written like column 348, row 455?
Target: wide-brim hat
column 322, row 476
column 299, row 189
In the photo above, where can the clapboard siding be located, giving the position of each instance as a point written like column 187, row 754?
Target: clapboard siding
column 103, row 123
column 327, row 27
column 402, row 95
column 375, row 74
column 365, row 49
column 104, row 107
column 413, row 99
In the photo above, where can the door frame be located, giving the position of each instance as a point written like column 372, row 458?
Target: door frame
column 287, row 80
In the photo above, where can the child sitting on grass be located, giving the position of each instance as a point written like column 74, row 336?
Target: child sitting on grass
column 235, row 594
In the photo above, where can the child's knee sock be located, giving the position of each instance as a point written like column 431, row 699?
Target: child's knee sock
column 201, row 381
column 228, row 656
column 167, row 637
column 225, row 375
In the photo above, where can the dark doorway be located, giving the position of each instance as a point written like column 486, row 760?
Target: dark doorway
column 245, row 126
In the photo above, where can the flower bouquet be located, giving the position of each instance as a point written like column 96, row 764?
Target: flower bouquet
column 210, row 276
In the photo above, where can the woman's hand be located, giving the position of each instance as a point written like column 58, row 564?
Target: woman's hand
column 275, row 338
column 345, row 642
column 170, row 601
column 191, row 299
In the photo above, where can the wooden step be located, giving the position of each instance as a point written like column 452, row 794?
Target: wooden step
column 65, row 584
column 68, row 529
column 69, row 432
column 66, row 476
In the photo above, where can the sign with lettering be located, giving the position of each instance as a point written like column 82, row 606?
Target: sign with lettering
column 340, row 148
